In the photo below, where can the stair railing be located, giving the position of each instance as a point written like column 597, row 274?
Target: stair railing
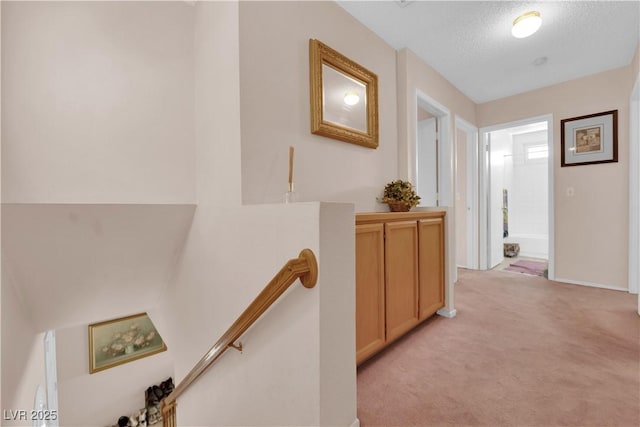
column 304, row 267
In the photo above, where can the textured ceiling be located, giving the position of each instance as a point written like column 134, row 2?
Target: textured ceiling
column 471, row 45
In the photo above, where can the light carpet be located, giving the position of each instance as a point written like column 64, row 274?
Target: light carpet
column 522, row 351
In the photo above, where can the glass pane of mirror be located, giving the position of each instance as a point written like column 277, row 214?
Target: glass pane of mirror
column 345, row 99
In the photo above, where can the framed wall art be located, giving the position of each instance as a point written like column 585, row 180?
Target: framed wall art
column 343, row 97
column 118, row 341
column 589, row 139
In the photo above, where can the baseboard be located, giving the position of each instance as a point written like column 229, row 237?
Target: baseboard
column 445, row 312
column 356, row 423
column 589, row 284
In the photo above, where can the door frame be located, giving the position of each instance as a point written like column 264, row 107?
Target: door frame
column 484, row 189
column 472, row 189
column 445, row 157
column 51, row 374
column 634, row 190
column 445, row 180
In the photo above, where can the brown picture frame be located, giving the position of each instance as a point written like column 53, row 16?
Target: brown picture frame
column 590, row 139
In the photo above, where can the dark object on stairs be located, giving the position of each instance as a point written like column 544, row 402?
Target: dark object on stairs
column 167, row 387
column 152, row 398
column 511, row 249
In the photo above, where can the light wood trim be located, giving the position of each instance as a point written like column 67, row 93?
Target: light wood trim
column 169, row 418
column 370, row 290
column 304, row 267
column 373, row 217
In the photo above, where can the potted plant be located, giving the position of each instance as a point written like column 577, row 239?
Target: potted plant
column 400, row 196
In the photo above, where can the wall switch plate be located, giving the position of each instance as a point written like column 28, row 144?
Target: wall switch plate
column 570, row 192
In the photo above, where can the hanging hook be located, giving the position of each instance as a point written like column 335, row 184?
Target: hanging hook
column 236, row 346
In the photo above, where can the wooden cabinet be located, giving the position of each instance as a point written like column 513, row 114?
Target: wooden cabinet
column 370, row 301
column 431, row 261
column 399, row 275
column 401, row 278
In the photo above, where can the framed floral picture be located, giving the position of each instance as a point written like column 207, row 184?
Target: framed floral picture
column 589, row 139
column 118, row 341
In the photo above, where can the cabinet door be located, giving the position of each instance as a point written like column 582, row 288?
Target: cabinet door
column 370, row 318
column 401, row 270
column 431, row 265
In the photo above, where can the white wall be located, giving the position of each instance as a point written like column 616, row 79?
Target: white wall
column 22, row 366
column 298, row 365
column 500, row 178
column 527, row 184
column 528, row 202
column 98, row 102
column 98, row 111
column 83, row 263
column 217, row 105
column 274, row 58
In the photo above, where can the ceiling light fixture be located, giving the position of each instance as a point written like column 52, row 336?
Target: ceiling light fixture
column 351, row 98
column 526, row 24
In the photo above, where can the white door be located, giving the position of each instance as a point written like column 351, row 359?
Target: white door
column 427, row 164
column 51, row 375
column 496, row 185
column 463, row 210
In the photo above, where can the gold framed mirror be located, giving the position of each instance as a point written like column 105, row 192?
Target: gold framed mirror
column 344, row 97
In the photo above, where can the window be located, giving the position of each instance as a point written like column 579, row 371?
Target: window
column 536, row 152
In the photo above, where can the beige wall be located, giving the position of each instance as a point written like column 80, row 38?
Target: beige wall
column 1, row 270
column 635, row 63
column 591, row 227
column 274, row 71
column 413, row 75
column 98, row 102
column 98, row 105
column 298, row 366
column 23, row 365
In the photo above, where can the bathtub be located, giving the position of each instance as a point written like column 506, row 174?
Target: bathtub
column 531, row 245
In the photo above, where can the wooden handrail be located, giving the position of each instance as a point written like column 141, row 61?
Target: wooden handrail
column 304, row 267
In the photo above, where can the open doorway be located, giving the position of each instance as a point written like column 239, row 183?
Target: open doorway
column 431, row 168
column 519, row 203
column 433, row 161
column 427, row 157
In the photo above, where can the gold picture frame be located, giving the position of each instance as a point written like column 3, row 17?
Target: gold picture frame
column 343, row 97
column 117, row 341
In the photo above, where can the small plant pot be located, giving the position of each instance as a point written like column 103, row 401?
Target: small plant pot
column 399, row 207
